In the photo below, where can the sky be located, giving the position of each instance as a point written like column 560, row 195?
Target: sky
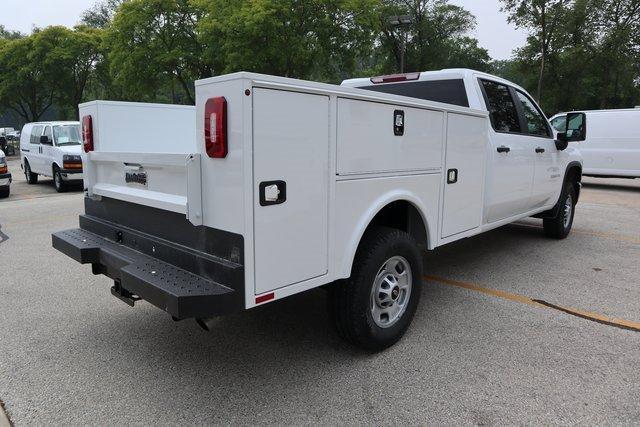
column 493, row 31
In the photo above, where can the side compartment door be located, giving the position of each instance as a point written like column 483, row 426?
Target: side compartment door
column 466, row 154
column 511, row 160
column 291, row 173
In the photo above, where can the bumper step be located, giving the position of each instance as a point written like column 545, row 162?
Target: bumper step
column 172, row 289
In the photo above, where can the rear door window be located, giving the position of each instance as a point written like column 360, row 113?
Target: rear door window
column 450, row 91
column 502, row 108
column 535, row 122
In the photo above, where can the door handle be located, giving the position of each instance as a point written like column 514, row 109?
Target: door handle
column 539, row 150
column 273, row 193
column 503, row 149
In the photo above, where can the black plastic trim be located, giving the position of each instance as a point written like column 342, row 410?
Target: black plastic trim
column 71, row 171
column 5, row 175
column 122, row 240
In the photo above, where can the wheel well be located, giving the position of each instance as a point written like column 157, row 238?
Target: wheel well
column 402, row 215
column 574, row 176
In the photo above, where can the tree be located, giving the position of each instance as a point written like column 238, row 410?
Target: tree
column 543, row 18
column 436, row 38
column 313, row 39
column 9, row 35
column 101, row 14
column 28, row 73
column 77, row 54
column 152, row 42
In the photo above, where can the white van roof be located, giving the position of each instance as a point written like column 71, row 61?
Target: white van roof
column 54, row 123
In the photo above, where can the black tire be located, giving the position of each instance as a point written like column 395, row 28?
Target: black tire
column 351, row 301
column 58, row 182
column 560, row 226
column 32, row 178
column 4, row 192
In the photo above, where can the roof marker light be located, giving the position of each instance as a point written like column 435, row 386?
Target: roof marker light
column 395, row 78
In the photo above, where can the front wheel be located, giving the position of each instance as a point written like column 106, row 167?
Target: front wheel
column 32, row 178
column 560, row 226
column 374, row 307
column 58, row 182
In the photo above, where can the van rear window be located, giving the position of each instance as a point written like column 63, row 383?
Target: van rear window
column 446, row 91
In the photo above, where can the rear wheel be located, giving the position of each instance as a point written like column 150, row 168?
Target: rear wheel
column 560, row 226
column 4, row 192
column 58, row 182
column 374, row 307
column 32, row 178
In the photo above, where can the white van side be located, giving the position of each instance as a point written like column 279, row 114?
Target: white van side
column 612, row 146
column 5, row 177
column 52, row 149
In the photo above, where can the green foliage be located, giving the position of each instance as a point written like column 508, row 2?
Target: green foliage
column 436, row 38
column 313, row 39
column 153, row 43
column 588, row 59
column 580, row 53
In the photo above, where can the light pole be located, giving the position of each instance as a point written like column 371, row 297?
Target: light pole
column 400, row 22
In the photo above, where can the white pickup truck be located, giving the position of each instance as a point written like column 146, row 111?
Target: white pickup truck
column 272, row 186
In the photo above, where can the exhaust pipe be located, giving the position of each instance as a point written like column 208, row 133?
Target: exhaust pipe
column 208, row 323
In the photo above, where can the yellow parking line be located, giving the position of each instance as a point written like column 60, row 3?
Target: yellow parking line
column 618, row 237
column 594, row 317
column 493, row 292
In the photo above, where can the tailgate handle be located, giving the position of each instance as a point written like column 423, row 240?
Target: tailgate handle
column 273, row 193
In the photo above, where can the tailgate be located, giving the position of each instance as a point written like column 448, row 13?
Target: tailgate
column 144, row 154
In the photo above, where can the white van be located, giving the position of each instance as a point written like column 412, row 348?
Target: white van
column 52, row 149
column 612, row 146
column 5, row 177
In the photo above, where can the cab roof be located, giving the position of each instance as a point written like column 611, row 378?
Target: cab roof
column 445, row 74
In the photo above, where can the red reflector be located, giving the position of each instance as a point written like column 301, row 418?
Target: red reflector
column 395, row 78
column 215, row 127
column 87, row 133
column 265, row 298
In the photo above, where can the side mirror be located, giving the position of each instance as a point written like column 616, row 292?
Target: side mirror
column 575, row 130
column 44, row 139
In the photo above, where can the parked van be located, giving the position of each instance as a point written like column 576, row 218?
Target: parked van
column 5, row 176
column 52, row 149
column 612, row 146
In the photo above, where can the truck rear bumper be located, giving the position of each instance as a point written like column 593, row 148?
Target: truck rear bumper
column 180, row 280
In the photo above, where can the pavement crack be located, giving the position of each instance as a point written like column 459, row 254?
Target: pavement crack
column 621, row 324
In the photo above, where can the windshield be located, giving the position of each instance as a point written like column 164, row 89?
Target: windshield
column 67, row 134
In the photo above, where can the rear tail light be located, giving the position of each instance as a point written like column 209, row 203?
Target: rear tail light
column 395, row 78
column 87, row 133
column 215, row 127
column 3, row 168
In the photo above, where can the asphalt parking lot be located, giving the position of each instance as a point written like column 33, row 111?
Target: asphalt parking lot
column 480, row 350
